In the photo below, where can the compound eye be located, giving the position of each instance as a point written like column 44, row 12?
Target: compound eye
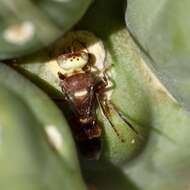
column 72, row 61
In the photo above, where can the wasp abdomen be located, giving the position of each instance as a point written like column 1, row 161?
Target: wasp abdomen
column 88, row 136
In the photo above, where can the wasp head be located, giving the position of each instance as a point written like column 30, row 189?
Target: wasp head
column 73, row 61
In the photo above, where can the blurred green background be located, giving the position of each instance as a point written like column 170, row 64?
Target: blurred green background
column 147, row 44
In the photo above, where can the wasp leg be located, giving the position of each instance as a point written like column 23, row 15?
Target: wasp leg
column 103, row 71
column 124, row 118
column 102, row 84
column 105, row 110
column 61, row 76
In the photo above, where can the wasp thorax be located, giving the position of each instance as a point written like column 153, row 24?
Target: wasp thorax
column 73, row 61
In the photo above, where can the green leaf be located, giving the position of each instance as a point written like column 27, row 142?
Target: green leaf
column 162, row 30
column 37, row 151
column 26, row 26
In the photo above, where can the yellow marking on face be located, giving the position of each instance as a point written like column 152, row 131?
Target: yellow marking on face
column 73, row 62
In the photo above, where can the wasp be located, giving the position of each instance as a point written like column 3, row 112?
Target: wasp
column 84, row 90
